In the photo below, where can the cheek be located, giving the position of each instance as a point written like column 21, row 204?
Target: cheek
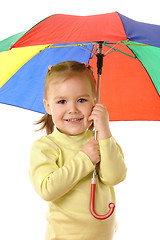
column 88, row 109
column 57, row 113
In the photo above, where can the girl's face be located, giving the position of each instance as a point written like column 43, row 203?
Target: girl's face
column 70, row 103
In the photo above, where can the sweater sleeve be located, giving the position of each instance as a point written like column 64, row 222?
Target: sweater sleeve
column 112, row 169
column 48, row 179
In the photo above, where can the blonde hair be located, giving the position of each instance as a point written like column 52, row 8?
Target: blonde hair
column 62, row 72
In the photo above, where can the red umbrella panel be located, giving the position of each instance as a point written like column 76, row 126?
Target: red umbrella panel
column 126, row 87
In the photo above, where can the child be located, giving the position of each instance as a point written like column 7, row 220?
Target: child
column 62, row 163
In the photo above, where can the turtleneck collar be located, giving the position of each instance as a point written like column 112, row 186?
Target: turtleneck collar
column 72, row 139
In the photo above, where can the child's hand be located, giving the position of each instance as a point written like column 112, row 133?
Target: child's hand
column 100, row 117
column 92, row 150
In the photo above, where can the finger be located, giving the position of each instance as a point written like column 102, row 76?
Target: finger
column 100, row 108
column 93, row 138
column 90, row 118
column 95, row 147
column 100, row 105
column 95, row 141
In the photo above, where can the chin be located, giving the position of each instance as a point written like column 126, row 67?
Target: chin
column 74, row 131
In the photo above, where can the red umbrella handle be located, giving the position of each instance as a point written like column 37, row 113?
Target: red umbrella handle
column 111, row 205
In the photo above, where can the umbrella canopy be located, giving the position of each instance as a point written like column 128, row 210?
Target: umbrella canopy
column 130, row 84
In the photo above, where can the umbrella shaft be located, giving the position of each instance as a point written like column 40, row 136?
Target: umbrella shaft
column 98, row 87
column 99, row 56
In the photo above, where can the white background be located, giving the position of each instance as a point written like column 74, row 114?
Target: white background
column 22, row 212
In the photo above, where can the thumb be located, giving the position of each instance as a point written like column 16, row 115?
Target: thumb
column 93, row 138
column 90, row 118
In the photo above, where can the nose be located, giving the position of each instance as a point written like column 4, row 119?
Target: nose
column 72, row 108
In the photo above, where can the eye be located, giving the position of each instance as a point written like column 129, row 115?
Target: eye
column 81, row 100
column 61, row 102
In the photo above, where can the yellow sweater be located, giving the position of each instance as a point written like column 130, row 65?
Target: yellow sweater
column 61, row 174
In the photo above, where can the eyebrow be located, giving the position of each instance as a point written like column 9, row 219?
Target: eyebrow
column 63, row 97
column 59, row 97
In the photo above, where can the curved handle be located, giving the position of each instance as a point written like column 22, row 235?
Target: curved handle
column 92, row 198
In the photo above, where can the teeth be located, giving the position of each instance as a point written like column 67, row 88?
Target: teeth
column 74, row 120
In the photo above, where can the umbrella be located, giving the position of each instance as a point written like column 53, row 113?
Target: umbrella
column 130, row 85
column 129, row 52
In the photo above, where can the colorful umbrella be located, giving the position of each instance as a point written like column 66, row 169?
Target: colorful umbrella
column 130, row 85
column 129, row 52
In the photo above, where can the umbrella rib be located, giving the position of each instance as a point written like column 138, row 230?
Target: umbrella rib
column 115, row 49
column 128, row 43
column 72, row 45
column 81, row 45
column 85, row 48
column 110, row 47
column 135, row 44
column 93, row 53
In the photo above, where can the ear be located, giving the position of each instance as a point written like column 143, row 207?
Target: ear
column 47, row 106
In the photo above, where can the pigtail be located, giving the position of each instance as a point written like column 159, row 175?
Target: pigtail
column 46, row 123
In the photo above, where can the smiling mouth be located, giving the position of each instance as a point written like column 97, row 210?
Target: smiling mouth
column 73, row 119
